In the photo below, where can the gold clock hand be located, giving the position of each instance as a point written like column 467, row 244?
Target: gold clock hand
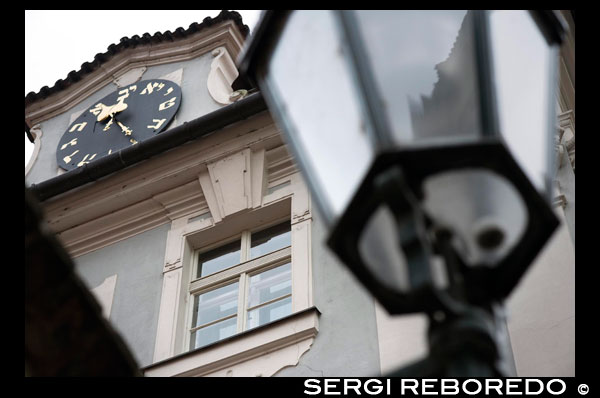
column 104, row 112
column 108, row 111
column 110, row 122
column 119, row 107
column 124, row 128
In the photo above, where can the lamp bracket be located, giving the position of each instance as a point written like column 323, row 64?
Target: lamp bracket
column 411, row 222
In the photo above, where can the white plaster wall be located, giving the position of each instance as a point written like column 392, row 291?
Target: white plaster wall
column 135, row 266
column 541, row 311
column 346, row 344
column 402, row 339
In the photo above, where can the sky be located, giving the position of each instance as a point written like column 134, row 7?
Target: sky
column 59, row 41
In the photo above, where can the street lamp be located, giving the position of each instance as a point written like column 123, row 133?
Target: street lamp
column 426, row 138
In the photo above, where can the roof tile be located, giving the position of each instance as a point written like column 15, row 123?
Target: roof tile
column 134, row 41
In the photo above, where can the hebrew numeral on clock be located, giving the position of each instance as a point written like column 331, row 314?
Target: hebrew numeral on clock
column 159, row 122
column 85, row 159
column 167, row 104
column 78, row 127
column 97, row 109
column 68, row 158
column 73, row 142
column 149, row 88
column 123, row 94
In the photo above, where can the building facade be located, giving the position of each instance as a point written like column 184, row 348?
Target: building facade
column 201, row 243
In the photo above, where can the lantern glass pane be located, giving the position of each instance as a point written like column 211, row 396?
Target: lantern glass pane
column 317, row 105
column 524, row 78
column 425, row 69
column 381, row 253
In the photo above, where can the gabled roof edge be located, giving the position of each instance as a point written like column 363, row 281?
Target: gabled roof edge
column 132, row 42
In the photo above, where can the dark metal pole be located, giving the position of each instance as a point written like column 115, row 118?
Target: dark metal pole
column 462, row 337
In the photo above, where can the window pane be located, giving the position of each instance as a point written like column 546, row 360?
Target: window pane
column 271, row 239
column 218, row 259
column 216, row 304
column 212, row 333
column 270, row 284
column 269, row 313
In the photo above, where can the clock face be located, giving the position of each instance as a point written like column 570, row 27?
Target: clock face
column 124, row 118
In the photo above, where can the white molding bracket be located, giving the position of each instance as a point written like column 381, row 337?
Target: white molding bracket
column 234, row 183
column 565, row 170
column 36, row 131
column 566, row 122
column 231, row 183
column 222, row 74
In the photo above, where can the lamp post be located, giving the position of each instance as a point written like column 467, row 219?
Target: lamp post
column 426, row 138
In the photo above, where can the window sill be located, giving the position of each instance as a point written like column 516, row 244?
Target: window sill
column 285, row 340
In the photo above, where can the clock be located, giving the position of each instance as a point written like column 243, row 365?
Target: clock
column 124, row 118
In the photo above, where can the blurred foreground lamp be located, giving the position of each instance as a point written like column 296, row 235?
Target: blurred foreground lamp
column 426, row 138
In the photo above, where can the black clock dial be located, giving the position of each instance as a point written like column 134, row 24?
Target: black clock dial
column 124, row 118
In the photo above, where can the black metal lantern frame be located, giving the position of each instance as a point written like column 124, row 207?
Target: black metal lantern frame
column 396, row 176
column 406, row 168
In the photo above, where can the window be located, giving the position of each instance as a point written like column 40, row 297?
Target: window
column 240, row 284
column 231, row 267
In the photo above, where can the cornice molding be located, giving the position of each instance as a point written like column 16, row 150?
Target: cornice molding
column 156, row 191
column 225, row 34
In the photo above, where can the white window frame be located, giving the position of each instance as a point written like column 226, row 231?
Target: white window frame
column 240, row 194
column 240, row 273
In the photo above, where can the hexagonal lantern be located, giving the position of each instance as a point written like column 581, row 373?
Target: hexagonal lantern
column 426, row 138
